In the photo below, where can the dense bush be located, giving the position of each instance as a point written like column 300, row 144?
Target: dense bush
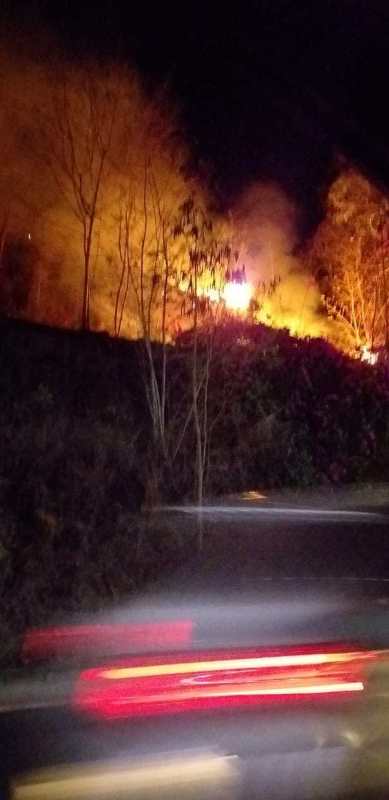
column 294, row 412
column 70, row 471
column 75, row 451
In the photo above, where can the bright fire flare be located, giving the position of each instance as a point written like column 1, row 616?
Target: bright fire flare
column 368, row 355
column 237, row 296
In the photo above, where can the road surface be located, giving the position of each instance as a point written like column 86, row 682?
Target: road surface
column 241, row 545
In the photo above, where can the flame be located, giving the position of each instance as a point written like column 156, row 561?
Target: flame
column 368, row 355
column 237, row 296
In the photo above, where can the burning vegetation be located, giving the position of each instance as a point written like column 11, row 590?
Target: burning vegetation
column 95, row 187
column 348, row 255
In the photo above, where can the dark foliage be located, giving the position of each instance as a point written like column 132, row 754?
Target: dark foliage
column 19, row 264
column 75, row 451
column 291, row 412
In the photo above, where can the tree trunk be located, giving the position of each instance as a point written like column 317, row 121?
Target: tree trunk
column 195, row 401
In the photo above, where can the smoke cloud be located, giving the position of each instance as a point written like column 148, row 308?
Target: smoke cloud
column 265, row 225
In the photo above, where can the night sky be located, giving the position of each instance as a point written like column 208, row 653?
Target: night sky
column 273, row 89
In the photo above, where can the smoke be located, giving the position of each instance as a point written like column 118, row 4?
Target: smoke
column 265, row 224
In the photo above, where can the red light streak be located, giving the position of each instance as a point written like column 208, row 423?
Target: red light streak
column 75, row 639
column 216, row 679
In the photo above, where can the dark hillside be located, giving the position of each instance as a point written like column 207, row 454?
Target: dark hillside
column 75, row 452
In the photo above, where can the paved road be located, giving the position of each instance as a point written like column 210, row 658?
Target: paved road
column 273, row 512
column 240, row 545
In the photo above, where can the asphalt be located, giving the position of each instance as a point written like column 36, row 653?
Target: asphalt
column 238, row 546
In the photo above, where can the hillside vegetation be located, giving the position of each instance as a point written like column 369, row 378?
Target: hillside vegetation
column 76, row 451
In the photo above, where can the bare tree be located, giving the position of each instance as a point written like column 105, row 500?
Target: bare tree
column 148, row 279
column 207, row 266
column 171, row 265
column 77, row 131
column 3, row 233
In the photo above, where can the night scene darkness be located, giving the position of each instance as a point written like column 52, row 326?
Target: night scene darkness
column 270, row 89
column 194, row 415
